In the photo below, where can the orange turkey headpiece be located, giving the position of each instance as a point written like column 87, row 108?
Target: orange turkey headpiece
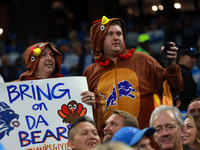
column 32, row 56
column 97, row 35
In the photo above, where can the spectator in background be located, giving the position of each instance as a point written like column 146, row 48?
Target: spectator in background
column 86, row 57
column 84, row 31
column 83, row 134
column 30, row 40
column 194, row 106
column 168, row 122
column 156, row 38
column 2, row 46
column 196, row 77
column 177, row 33
column 72, row 60
column 13, row 49
column 136, row 138
column 64, row 48
column 72, row 35
column 116, row 121
column 20, row 65
column 198, row 88
column 132, row 32
column 188, row 33
column 196, row 71
column 7, row 71
column 191, row 134
column 187, row 58
column 143, row 44
column 64, row 71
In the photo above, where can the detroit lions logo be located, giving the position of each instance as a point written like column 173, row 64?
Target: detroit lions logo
column 8, row 119
column 124, row 88
column 111, row 99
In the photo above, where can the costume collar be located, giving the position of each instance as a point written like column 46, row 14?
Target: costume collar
column 123, row 56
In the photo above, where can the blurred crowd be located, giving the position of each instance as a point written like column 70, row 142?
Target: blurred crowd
column 77, row 49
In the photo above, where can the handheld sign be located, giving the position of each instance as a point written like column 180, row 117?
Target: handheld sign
column 37, row 114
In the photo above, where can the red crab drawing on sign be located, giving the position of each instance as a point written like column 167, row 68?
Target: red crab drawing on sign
column 72, row 111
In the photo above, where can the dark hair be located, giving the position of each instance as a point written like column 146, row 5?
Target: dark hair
column 71, row 132
column 116, row 22
column 194, row 100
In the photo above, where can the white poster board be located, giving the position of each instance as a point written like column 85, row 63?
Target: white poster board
column 36, row 114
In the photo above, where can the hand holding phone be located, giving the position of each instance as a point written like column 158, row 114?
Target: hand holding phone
column 164, row 58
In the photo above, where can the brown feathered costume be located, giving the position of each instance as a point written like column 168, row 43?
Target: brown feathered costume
column 127, row 84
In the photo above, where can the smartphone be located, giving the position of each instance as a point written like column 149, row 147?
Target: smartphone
column 164, row 58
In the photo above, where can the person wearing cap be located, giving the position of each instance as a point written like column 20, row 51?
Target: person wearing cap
column 143, row 44
column 116, row 121
column 187, row 58
column 168, row 123
column 136, row 138
column 44, row 61
column 124, row 79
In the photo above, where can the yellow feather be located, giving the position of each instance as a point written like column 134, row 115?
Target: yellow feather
column 105, row 20
column 37, row 51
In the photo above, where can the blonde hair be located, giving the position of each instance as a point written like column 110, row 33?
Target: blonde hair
column 196, row 119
